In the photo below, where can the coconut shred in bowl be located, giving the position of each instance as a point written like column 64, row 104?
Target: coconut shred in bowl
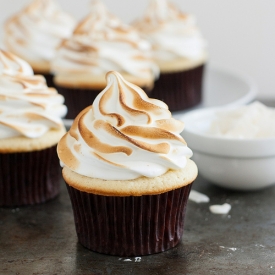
column 252, row 121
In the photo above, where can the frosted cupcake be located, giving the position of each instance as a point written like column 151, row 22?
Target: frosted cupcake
column 100, row 43
column 34, row 33
column 180, row 52
column 30, row 127
column 128, row 172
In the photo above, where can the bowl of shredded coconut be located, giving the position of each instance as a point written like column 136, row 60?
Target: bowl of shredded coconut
column 234, row 147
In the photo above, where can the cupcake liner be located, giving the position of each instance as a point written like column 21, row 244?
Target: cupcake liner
column 129, row 226
column 77, row 99
column 49, row 80
column 29, row 178
column 180, row 90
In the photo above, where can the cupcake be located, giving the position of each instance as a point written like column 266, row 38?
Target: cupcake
column 100, row 43
column 128, row 172
column 30, row 127
column 34, row 33
column 180, row 52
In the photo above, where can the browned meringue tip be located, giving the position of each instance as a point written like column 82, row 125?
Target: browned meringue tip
column 7, row 57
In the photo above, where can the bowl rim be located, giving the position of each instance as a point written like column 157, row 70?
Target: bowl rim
column 245, row 78
column 224, row 146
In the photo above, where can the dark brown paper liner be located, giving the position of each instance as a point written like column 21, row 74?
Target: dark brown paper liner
column 180, row 90
column 49, row 80
column 129, row 226
column 78, row 99
column 29, row 178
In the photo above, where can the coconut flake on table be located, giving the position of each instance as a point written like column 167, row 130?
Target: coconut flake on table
column 198, row 197
column 251, row 121
column 220, row 209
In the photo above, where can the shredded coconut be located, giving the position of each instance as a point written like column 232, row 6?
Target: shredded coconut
column 251, row 121
column 220, row 209
column 198, row 197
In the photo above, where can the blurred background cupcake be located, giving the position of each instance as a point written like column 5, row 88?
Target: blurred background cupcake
column 30, row 127
column 34, row 33
column 128, row 172
column 180, row 52
column 100, row 43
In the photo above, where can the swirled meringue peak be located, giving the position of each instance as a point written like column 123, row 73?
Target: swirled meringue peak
column 124, row 135
column 101, row 43
column 172, row 33
column 35, row 32
column 27, row 106
column 10, row 64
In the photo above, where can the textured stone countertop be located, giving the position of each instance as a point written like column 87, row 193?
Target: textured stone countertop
column 42, row 240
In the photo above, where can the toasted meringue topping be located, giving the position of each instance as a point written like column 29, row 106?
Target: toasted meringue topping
column 27, row 106
column 124, row 135
column 100, row 43
column 36, row 31
column 10, row 64
column 172, row 33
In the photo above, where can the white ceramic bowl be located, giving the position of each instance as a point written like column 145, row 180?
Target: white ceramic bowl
column 239, row 164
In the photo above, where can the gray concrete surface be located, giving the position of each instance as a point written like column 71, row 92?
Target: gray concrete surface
column 41, row 239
